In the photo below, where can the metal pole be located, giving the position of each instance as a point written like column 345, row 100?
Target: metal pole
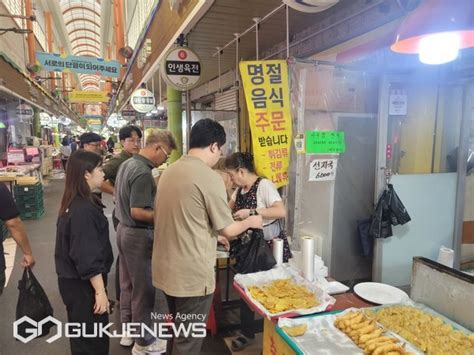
column 287, row 32
column 30, row 36
column 463, row 151
column 188, row 118
column 31, row 18
column 159, row 85
column 219, row 52
column 256, row 20
column 299, row 163
column 237, row 40
column 435, row 129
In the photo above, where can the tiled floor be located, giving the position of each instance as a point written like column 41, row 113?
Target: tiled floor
column 42, row 238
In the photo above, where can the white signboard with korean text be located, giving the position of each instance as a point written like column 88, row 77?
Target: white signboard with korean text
column 322, row 170
column 181, row 68
column 397, row 102
column 142, row 100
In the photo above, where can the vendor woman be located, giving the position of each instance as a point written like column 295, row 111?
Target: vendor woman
column 254, row 196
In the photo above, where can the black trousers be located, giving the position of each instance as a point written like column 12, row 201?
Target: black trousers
column 79, row 298
column 115, row 222
column 247, row 320
column 187, row 306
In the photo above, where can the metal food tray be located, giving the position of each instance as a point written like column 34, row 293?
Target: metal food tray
column 322, row 337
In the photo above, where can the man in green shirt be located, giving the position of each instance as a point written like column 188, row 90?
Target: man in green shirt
column 130, row 138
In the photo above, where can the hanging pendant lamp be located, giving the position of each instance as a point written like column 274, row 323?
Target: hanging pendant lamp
column 437, row 30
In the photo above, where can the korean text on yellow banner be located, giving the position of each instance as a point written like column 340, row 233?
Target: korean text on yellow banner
column 88, row 96
column 268, row 101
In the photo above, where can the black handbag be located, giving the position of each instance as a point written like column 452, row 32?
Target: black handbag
column 251, row 252
column 33, row 302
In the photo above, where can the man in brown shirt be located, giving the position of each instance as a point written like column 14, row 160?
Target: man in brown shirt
column 190, row 211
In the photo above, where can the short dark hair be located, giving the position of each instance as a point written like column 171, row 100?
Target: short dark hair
column 206, row 132
column 240, row 161
column 89, row 137
column 126, row 132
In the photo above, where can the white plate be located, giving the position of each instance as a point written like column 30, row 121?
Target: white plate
column 380, row 293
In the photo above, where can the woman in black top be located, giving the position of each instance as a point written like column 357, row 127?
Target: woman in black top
column 83, row 253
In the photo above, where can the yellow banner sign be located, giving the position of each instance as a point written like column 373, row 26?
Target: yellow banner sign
column 94, row 122
column 88, row 96
column 268, row 101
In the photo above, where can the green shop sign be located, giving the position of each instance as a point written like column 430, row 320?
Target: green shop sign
column 325, row 142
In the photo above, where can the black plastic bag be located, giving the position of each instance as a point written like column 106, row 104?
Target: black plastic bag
column 381, row 227
column 251, row 252
column 33, row 302
column 389, row 211
column 399, row 214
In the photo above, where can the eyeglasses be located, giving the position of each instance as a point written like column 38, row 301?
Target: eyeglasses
column 164, row 151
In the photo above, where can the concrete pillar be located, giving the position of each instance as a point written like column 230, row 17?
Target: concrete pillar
column 175, row 120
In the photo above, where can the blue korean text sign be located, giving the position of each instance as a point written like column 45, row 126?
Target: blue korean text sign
column 83, row 65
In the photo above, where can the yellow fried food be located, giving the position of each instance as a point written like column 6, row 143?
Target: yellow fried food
column 366, row 330
column 370, row 349
column 283, row 295
column 366, row 337
column 381, row 339
column 296, row 331
column 366, row 333
column 429, row 333
column 388, row 348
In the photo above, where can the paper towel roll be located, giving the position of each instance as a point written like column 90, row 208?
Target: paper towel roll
column 278, row 250
column 307, row 264
column 446, row 256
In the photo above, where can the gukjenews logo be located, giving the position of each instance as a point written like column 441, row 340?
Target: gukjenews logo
column 35, row 329
column 26, row 329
